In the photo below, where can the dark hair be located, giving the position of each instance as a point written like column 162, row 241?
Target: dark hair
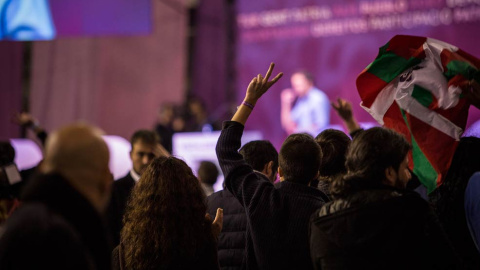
column 334, row 144
column 308, row 75
column 370, row 153
column 258, row 153
column 208, row 172
column 299, row 158
column 145, row 136
column 165, row 225
column 7, row 153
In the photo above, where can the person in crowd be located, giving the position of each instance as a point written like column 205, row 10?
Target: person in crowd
column 472, row 207
column 277, row 217
column 207, row 175
column 304, row 108
column 59, row 224
column 10, row 181
column 374, row 222
column 145, row 147
column 197, row 118
column 262, row 156
column 165, row 222
column 164, row 126
column 27, row 120
column 449, row 200
column 334, row 145
column 344, row 109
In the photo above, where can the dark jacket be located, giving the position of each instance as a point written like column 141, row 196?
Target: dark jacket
column 379, row 229
column 277, row 218
column 55, row 228
column 231, row 241
column 205, row 259
column 121, row 190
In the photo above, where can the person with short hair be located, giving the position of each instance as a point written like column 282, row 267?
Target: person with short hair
column 374, row 222
column 60, row 222
column 207, row 175
column 145, row 147
column 277, row 217
column 263, row 158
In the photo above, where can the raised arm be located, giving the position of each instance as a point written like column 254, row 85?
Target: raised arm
column 240, row 179
column 27, row 120
column 257, row 87
column 344, row 110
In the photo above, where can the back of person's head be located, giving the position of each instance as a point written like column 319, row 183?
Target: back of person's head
column 299, row 159
column 208, row 172
column 334, row 144
column 370, row 154
column 79, row 153
column 145, row 136
column 259, row 153
column 7, row 153
column 165, row 222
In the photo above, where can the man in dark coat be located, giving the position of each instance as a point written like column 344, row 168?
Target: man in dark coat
column 263, row 158
column 277, row 217
column 60, row 223
column 145, row 147
column 374, row 223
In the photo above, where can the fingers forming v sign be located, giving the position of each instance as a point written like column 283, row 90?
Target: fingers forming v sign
column 259, row 85
column 343, row 108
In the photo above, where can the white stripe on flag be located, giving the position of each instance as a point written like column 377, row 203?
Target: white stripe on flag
column 382, row 103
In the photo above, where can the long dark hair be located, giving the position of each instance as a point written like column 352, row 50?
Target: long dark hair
column 370, row 153
column 165, row 225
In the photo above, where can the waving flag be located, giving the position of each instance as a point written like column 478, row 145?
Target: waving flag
column 412, row 87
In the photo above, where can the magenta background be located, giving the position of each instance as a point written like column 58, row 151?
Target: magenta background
column 334, row 61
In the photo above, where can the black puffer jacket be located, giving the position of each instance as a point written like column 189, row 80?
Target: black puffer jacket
column 379, row 229
column 231, row 241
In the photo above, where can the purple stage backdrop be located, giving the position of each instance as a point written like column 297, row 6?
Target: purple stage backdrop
column 336, row 40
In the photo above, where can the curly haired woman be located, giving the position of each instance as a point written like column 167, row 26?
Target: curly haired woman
column 165, row 223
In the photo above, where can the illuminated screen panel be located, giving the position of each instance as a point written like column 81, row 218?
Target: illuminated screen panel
column 42, row 19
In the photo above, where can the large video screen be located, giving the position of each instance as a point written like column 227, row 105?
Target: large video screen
column 47, row 19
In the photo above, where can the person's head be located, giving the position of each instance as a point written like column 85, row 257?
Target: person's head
column 299, row 159
column 334, row 144
column 7, row 153
column 143, row 144
column 377, row 157
column 302, row 82
column 165, row 217
column 262, row 156
column 79, row 154
column 207, row 173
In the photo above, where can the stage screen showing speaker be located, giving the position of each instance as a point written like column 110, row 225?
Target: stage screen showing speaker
column 335, row 40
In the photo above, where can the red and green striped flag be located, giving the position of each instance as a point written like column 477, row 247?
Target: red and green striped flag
column 413, row 87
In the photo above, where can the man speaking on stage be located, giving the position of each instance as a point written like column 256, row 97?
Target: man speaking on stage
column 305, row 108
